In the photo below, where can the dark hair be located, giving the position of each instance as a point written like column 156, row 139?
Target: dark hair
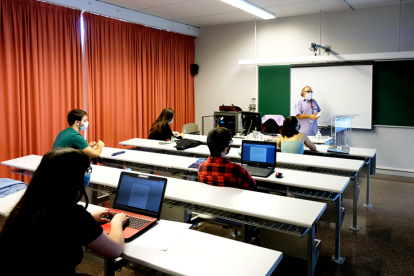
column 57, row 185
column 75, row 115
column 167, row 114
column 289, row 127
column 217, row 140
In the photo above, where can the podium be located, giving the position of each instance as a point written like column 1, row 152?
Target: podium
column 341, row 132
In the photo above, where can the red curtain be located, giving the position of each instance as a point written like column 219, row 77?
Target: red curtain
column 41, row 75
column 132, row 73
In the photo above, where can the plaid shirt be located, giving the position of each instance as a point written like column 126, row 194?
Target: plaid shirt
column 218, row 171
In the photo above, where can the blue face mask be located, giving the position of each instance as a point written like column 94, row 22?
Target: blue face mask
column 86, row 180
column 171, row 121
column 85, row 126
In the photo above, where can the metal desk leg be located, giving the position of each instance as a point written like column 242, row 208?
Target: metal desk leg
column 368, row 164
column 311, row 245
column 355, row 206
column 338, row 221
column 93, row 196
column 109, row 267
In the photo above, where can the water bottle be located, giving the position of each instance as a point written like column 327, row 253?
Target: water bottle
column 319, row 135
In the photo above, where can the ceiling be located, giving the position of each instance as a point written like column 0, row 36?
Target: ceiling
column 202, row 13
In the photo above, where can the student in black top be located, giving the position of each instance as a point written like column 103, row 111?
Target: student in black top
column 45, row 231
column 160, row 129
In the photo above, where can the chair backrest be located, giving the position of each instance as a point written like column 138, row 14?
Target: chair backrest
column 191, row 128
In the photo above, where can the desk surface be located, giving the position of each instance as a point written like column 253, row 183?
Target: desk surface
column 29, row 162
column 288, row 210
column 285, row 158
column 284, row 209
column 323, row 182
column 354, row 151
column 7, row 203
column 196, row 253
column 238, row 141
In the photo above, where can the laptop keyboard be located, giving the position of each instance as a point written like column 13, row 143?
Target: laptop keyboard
column 258, row 171
column 135, row 223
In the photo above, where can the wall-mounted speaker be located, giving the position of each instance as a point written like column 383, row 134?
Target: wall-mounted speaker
column 194, row 69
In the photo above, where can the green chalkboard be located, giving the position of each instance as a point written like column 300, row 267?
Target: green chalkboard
column 274, row 90
column 393, row 89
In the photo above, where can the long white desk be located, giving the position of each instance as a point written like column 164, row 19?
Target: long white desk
column 322, row 182
column 197, row 253
column 237, row 142
column 367, row 155
column 189, row 254
column 199, row 193
column 286, row 210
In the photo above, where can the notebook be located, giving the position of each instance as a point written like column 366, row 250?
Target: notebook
column 258, row 157
column 140, row 197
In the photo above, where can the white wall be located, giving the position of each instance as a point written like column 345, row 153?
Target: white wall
column 222, row 80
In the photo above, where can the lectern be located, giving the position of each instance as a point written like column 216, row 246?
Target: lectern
column 341, row 132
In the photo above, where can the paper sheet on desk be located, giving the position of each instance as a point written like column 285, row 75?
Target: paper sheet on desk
column 320, row 147
column 162, row 235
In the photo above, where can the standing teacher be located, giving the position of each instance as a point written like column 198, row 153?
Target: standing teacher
column 306, row 110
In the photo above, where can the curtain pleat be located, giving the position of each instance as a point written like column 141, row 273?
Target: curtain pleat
column 41, row 75
column 132, row 73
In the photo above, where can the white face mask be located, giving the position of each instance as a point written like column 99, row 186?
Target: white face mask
column 85, row 126
column 308, row 96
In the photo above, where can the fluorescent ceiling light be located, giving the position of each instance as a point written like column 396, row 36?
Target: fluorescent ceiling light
column 249, row 7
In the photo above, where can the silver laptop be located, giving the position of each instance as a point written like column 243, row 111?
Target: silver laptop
column 258, row 157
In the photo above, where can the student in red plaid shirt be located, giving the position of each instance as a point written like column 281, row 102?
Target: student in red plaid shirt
column 218, row 170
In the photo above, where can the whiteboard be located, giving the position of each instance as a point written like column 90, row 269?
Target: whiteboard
column 338, row 90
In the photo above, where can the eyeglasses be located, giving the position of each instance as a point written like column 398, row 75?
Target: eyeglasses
column 88, row 171
column 308, row 91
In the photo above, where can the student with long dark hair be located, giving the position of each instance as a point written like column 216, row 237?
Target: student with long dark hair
column 160, row 129
column 292, row 141
column 45, row 231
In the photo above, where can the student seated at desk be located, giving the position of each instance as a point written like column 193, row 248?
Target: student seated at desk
column 160, row 129
column 71, row 138
column 45, row 231
column 218, row 170
column 291, row 141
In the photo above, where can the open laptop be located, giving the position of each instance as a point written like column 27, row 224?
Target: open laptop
column 140, row 197
column 258, row 157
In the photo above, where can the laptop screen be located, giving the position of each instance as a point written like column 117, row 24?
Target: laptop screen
column 144, row 193
column 259, row 152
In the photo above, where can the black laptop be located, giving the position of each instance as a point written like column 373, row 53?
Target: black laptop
column 258, row 157
column 140, row 197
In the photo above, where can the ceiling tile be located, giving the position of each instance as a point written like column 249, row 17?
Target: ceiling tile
column 215, row 12
column 144, row 4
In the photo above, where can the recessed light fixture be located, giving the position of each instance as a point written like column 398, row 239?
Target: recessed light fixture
column 249, row 7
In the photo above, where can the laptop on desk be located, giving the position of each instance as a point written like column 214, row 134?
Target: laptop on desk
column 140, row 197
column 258, row 157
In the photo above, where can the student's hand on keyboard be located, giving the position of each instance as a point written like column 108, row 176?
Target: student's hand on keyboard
column 120, row 218
column 103, row 215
